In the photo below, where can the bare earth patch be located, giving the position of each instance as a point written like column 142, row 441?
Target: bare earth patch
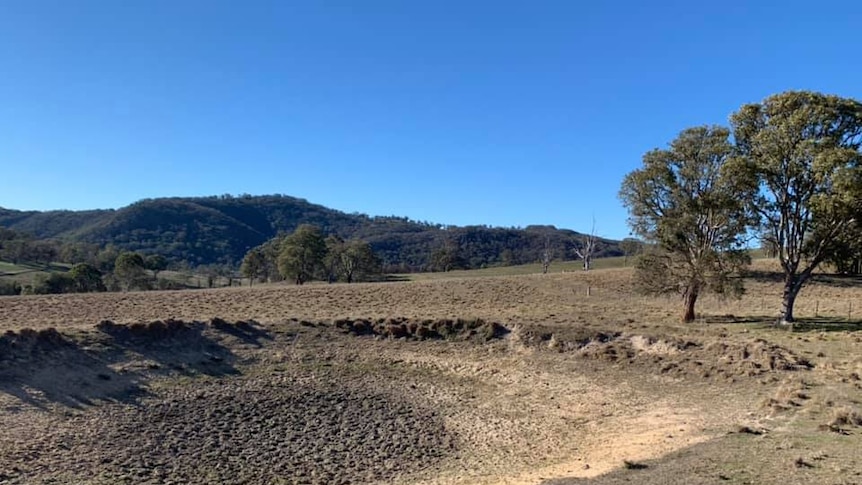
column 510, row 380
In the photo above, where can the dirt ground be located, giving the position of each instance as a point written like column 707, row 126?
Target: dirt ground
column 561, row 378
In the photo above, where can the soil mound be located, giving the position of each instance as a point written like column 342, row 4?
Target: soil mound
column 28, row 343
column 170, row 329
column 155, row 330
column 459, row 329
column 115, row 362
column 673, row 356
column 756, row 357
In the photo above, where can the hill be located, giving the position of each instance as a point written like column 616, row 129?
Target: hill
column 221, row 229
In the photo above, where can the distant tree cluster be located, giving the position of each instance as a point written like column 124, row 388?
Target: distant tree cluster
column 17, row 247
column 78, row 267
column 307, row 255
column 474, row 247
column 128, row 271
column 791, row 173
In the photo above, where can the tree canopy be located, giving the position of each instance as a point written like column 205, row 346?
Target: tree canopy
column 129, row 271
column 301, row 254
column 86, row 278
column 685, row 203
column 801, row 150
column 156, row 263
column 355, row 260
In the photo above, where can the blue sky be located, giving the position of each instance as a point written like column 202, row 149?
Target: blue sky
column 459, row 112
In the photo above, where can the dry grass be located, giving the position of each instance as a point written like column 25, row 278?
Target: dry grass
column 596, row 296
column 592, row 376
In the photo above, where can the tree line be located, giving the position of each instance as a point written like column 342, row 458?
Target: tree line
column 80, row 268
column 788, row 171
column 306, row 255
column 301, row 256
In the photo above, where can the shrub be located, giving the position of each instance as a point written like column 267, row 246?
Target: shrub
column 8, row 288
column 166, row 284
column 53, row 284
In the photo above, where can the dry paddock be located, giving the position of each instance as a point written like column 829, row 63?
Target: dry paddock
column 319, row 384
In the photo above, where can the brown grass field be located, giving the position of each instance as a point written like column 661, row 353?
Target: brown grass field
column 501, row 379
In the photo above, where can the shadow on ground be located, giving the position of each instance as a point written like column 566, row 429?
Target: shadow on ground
column 804, row 324
column 114, row 362
column 746, row 319
column 826, row 324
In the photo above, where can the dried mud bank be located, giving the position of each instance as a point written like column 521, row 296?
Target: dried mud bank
column 188, row 402
column 384, row 400
column 668, row 355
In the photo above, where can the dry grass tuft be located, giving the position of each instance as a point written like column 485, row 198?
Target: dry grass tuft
column 845, row 416
column 749, row 430
column 633, row 465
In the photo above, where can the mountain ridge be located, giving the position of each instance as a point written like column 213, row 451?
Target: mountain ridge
column 221, row 229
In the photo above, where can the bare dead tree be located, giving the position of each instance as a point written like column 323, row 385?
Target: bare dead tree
column 547, row 255
column 587, row 246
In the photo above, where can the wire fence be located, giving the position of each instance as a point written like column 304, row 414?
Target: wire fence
column 764, row 304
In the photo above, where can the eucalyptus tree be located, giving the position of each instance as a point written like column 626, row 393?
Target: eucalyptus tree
column 802, row 149
column 847, row 254
column 253, row 264
column 691, row 212
column 630, row 247
column 302, row 253
column 156, row 263
column 351, row 260
column 86, row 278
column 129, row 270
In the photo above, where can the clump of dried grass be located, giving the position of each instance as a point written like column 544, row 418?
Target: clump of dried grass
column 845, row 416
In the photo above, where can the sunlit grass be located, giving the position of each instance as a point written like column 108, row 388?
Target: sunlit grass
column 525, row 269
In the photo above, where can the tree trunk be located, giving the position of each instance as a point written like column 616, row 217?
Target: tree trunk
column 788, row 299
column 690, row 299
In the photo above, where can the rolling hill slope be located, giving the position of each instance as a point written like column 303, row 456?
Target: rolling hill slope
column 221, row 229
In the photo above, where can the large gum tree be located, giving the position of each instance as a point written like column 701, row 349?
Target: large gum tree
column 691, row 212
column 802, row 150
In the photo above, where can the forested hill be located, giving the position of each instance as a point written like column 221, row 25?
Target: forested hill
column 205, row 230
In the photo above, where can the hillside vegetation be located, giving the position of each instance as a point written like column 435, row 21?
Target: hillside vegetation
column 208, row 230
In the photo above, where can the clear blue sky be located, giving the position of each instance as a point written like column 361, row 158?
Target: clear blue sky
column 460, row 112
